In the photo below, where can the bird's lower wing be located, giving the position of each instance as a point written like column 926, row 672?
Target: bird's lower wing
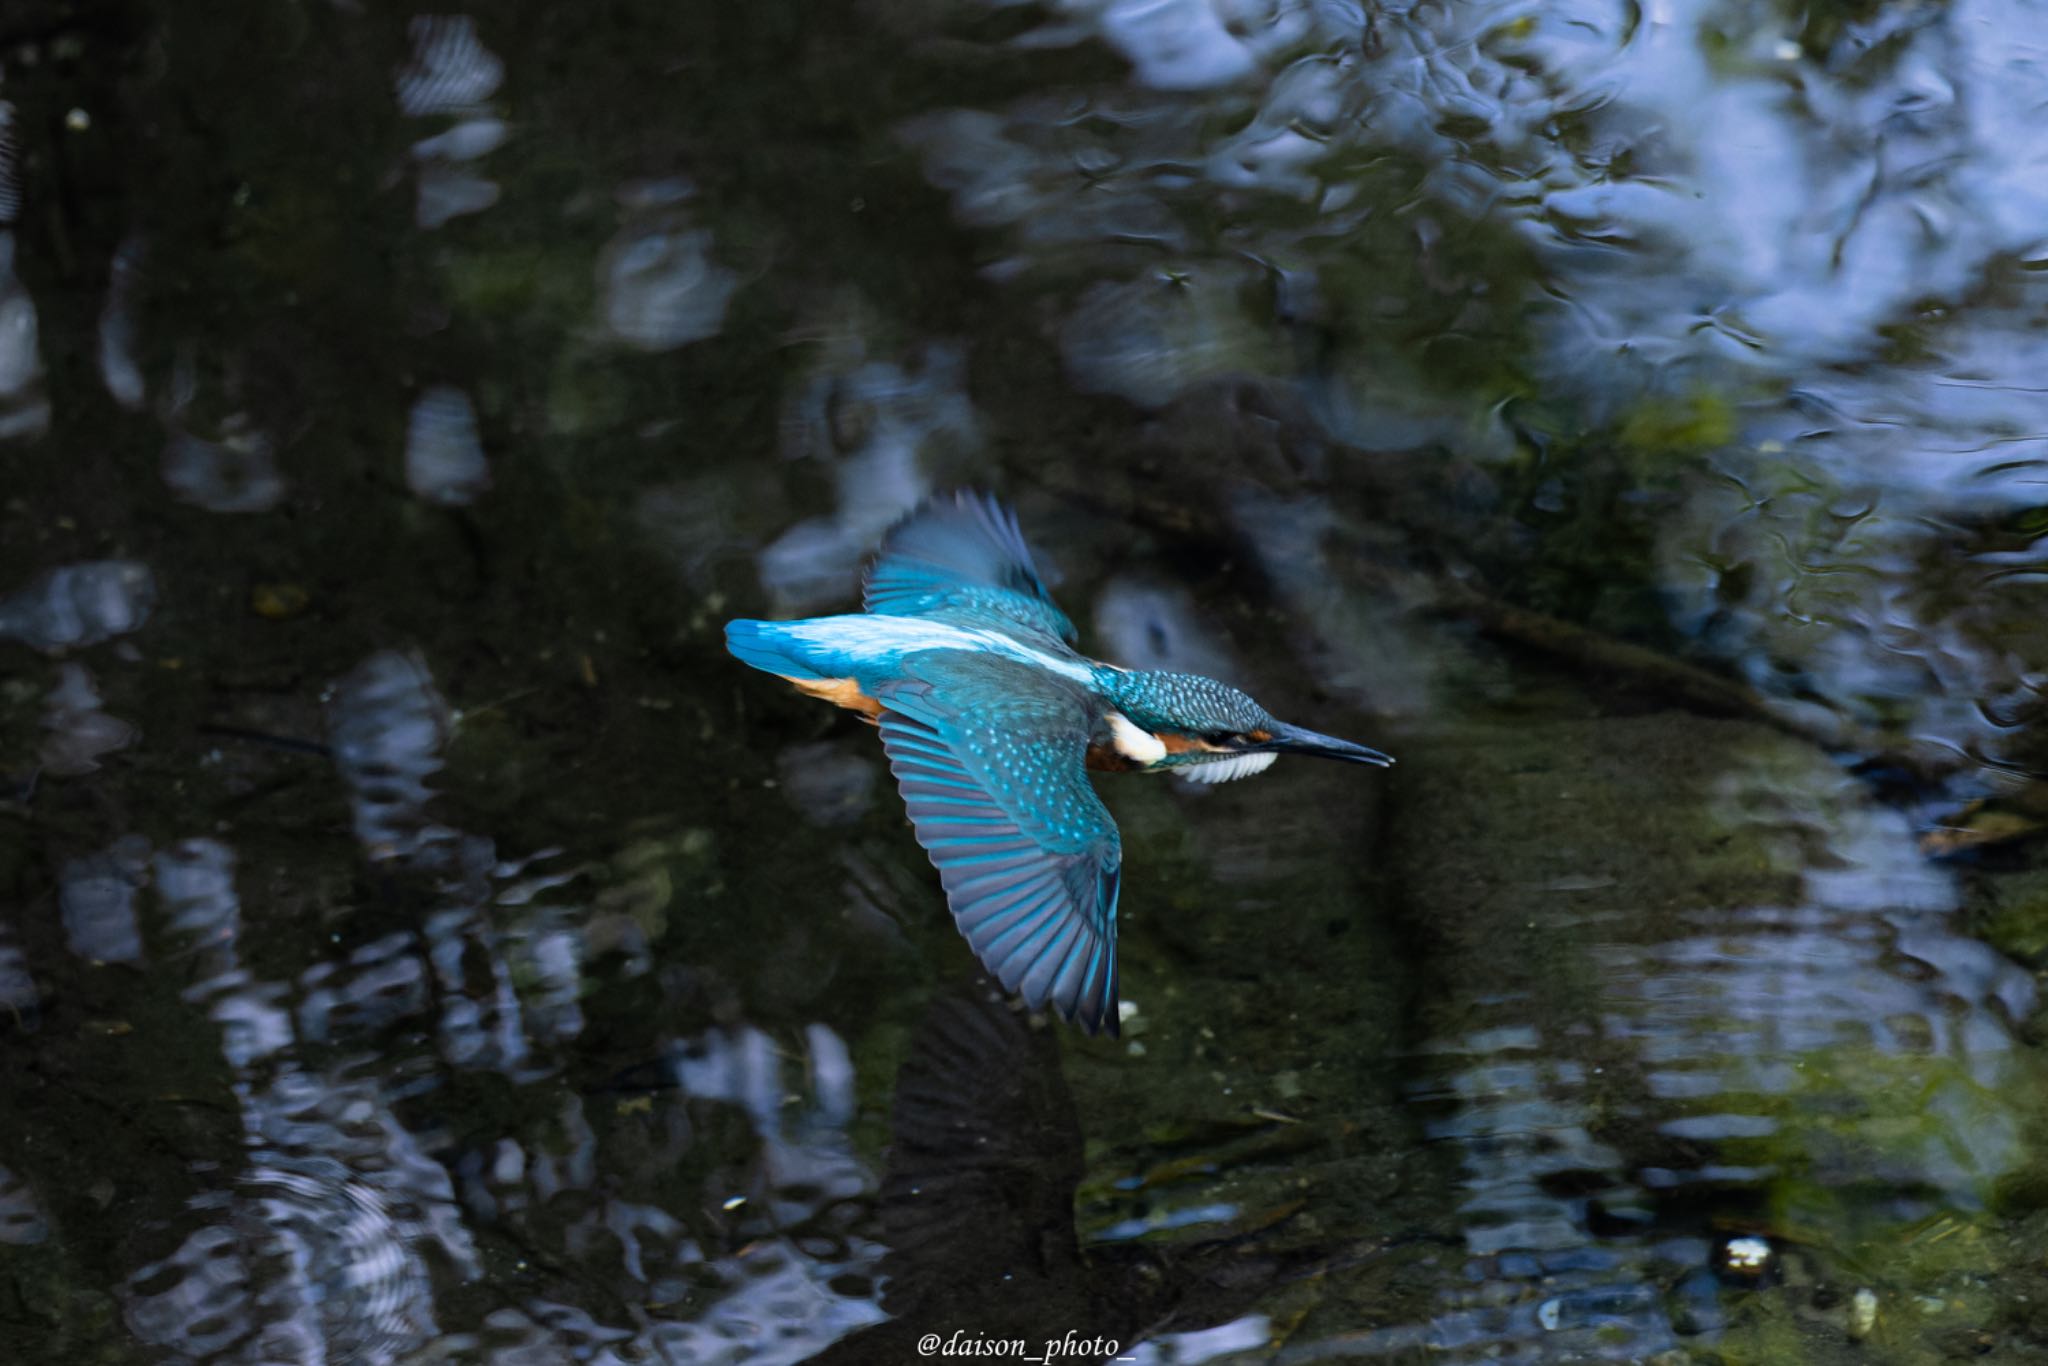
column 984, row 1154
column 989, row 757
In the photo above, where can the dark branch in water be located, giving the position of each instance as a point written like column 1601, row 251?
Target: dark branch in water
column 290, row 744
column 1638, row 669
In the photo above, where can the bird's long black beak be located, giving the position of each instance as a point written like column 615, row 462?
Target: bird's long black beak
column 1294, row 740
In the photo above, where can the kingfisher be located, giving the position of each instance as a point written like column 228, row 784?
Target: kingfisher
column 991, row 721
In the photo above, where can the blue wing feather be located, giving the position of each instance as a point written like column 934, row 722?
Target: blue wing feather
column 963, row 558
column 989, row 756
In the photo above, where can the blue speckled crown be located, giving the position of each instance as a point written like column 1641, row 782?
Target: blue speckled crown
column 1188, row 703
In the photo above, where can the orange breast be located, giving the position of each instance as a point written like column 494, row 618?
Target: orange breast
column 840, row 692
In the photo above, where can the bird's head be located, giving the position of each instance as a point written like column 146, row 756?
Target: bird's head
column 1209, row 731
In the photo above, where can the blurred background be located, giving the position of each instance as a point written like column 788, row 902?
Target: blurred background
column 420, row 942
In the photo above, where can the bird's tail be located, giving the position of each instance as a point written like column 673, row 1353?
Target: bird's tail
column 766, row 646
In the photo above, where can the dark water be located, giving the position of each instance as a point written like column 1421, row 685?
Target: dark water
column 419, row 942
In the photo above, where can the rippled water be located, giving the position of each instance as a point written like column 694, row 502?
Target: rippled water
column 420, row 942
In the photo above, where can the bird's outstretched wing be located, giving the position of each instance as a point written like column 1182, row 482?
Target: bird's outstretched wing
column 961, row 556
column 990, row 757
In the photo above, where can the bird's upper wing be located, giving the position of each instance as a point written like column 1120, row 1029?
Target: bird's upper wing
column 990, row 756
column 962, row 556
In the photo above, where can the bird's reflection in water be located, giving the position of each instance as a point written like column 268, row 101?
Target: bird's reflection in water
column 977, row 1209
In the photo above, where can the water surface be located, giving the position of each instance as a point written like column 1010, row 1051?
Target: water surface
column 420, row 942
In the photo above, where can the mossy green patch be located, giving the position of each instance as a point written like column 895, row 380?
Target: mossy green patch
column 1677, row 425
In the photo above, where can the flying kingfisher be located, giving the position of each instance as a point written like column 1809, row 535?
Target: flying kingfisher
column 991, row 719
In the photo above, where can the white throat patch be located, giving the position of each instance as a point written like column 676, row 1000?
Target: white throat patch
column 1223, row 770
column 1134, row 742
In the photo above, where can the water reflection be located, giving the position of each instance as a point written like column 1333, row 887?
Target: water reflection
column 237, row 472
column 386, row 726
column 310, row 1247
column 391, row 406
column 96, row 897
column 661, row 284
column 760, row 1262
column 977, row 1212
column 119, row 336
column 80, row 732
column 316, row 1252
column 1814, row 1068
column 79, row 604
column 24, row 411
column 18, row 995
column 881, row 428
column 1706, row 200
column 21, row 1221
column 10, row 162
column 444, row 455
column 451, row 71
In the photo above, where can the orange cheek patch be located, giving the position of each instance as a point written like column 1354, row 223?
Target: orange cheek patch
column 840, row 692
